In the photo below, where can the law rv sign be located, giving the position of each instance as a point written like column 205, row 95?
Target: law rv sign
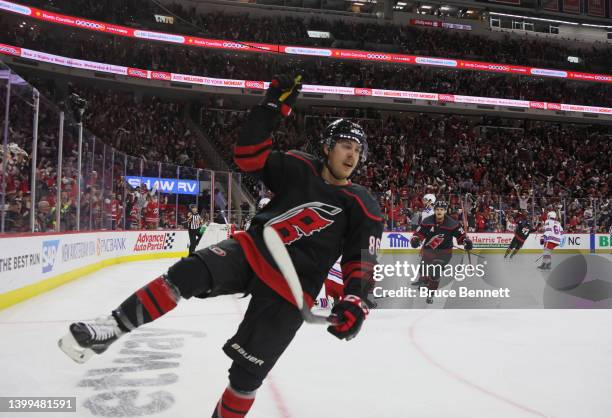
column 163, row 185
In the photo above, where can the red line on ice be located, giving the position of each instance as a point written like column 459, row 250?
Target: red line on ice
column 462, row 379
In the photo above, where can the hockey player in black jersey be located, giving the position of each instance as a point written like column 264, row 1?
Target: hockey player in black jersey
column 522, row 231
column 320, row 216
column 437, row 232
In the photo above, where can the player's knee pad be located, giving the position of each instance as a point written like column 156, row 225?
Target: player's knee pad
column 243, row 380
column 190, row 276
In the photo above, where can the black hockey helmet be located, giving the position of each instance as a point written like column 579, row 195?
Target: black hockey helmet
column 345, row 129
column 441, row 204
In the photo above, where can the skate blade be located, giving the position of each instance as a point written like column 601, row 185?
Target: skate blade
column 73, row 350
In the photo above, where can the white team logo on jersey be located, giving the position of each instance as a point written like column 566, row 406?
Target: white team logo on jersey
column 303, row 220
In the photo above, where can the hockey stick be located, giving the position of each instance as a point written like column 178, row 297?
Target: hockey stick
column 470, row 253
column 281, row 257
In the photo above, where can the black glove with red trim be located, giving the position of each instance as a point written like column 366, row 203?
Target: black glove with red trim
column 415, row 242
column 351, row 312
column 282, row 93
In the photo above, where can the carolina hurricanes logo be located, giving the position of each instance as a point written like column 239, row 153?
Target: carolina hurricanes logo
column 435, row 241
column 303, row 220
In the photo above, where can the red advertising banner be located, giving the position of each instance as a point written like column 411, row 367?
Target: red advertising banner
column 571, row 6
column 596, row 8
column 552, row 5
column 346, row 91
column 285, row 49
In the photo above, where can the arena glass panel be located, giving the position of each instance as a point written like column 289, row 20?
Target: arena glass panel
column 19, row 139
column 47, row 167
column 221, row 198
column 169, row 200
column 189, row 177
column 151, row 188
column 134, row 201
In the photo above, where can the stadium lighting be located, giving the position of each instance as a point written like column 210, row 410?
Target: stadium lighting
column 596, row 26
column 534, row 18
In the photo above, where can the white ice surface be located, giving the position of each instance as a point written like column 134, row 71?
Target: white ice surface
column 405, row 363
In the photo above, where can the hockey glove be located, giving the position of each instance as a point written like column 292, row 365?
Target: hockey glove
column 415, row 242
column 467, row 244
column 352, row 311
column 282, row 93
column 541, row 241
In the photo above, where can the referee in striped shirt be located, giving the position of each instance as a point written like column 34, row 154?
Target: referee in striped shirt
column 194, row 223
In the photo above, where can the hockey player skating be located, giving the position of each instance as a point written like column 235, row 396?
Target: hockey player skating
column 521, row 232
column 319, row 214
column 437, row 232
column 551, row 239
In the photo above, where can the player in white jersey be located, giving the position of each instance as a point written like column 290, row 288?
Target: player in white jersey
column 428, row 200
column 332, row 291
column 552, row 238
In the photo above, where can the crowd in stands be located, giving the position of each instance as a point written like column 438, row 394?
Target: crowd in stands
column 124, row 135
column 364, row 34
column 197, row 61
column 492, row 168
column 536, row 167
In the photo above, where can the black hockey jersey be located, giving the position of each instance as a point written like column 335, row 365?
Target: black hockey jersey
column 523, row 229
column 437, row 236
column 318, row 222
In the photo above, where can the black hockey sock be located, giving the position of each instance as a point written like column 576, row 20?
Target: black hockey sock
column 147, row 304
column 234, row 404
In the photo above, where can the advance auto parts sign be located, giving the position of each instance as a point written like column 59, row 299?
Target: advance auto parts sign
column 155, row 241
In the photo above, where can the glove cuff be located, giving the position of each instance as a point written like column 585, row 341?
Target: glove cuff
column 356, row 300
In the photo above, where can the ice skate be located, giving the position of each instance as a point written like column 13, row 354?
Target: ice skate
column 544, row 266
column 85, row 339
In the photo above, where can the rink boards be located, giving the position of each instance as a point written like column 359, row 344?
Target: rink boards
column 399, row 242
column 34, row 263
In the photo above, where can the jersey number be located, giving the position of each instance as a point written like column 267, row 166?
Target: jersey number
column 374, row 244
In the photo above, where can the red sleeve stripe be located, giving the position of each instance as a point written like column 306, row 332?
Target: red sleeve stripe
column 358, row 274
column 142, row 295
column 162, row 294
column 253, row 163
column 420, row 235
column 248, row 150
column 351, row 270
column 363, row 207
column 314, row 171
